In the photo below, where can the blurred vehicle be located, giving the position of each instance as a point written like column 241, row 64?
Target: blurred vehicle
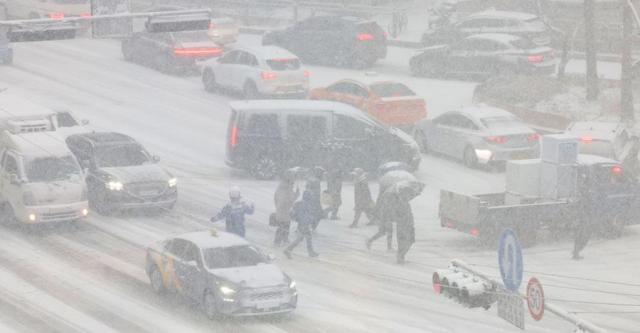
column 606, row 139
column 266, row 137
column 121, row 174
column 478, row 135
column 222, row 272
column 223, row 30
column 525, row 25
column 263, row 71
column 484, row 55
column 170, row 52
column 53, row 9
column 6, row 52
column 333, row 40
column 392, row 103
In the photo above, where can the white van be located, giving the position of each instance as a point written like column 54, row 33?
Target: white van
column 40, row 179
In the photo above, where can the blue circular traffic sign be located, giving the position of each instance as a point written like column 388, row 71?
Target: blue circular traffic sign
column 510, row 260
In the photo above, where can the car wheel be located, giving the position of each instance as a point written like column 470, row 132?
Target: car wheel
column 470, row 159
column 209, row 81
column 421, row 139
column 210, row 305
column 250, row 90
column 155, row 278
column 265, row 168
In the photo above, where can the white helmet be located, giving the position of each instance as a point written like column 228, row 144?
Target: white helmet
column 234, row 192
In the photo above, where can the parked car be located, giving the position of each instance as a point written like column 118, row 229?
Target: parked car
column 266, row 137
column 484, row 55
column 478, row 135
column 222, row 272
column 170, row 52
column 525, row 25
column 223, row 30
column 265, row 71
column 121, row 174
column 606, row 139
column 392, row 103
column 333, row 40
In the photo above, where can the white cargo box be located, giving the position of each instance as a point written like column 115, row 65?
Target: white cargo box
column 523, row 177
column 558, row 181
column 559, row 149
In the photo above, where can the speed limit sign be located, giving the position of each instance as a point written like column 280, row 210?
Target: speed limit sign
column 535, row 298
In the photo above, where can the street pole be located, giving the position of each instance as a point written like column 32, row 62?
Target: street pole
column 590, row 50
column 626, row 89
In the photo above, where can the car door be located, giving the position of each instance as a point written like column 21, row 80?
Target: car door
column 190, row 271
column 309, row 39
column 349, row 93
column 171, row 264
column 243, row 69
column 438, row 132
column 224, row 69
column 464, row 132
column 461, row 56
column 487, row 56
column 83, row 152
column 355, row 143
column 306, row 139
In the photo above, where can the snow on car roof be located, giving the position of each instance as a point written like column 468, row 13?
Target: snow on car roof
column 521, row 16
column 38, row 144
column 268, row 52
column 480, row 111
column 206, row 239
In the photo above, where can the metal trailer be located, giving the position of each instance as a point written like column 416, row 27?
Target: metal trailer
column 485, row 216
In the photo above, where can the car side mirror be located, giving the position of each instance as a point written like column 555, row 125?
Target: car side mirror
column 271, row 257
column 13, row 178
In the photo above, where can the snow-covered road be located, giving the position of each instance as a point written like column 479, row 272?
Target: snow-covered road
column 91, row 278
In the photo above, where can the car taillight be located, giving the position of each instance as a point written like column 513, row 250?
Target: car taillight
column 533, row 137
column 365, row 37
column 474, row 232
column 306, row 73
column 534, row 59
column 85, row 15
column 496, row 139
column 212, row 26
column 586, row 139
column 56, row 16
column 268, row 75
column 616, row 170
column 197, row 52
column 233, row 137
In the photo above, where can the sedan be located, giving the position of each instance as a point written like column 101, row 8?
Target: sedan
column 263, row 71
column 222, row 272
column 478, row 135
column 484, row 55
column 392, row 103
column 170, row 52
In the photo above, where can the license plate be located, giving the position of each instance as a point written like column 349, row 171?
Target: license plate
column 267, row 305
column 520, row 156
column 148, row 193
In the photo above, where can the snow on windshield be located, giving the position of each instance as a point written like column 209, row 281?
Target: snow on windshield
column 234, row 256
column 49, row 169
column 121, row 156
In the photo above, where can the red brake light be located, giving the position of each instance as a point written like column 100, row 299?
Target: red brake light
column 533, row 137
column 85, row 15
column 365, row 37
column 616, row 170
column 586, row 139
column 233, row 137
column 496, row 139
column 534, row 59
column 306, row 74
column 268, row 75
column 56, row 16
column 474, row 232
column 197, row 52
column 212, row 26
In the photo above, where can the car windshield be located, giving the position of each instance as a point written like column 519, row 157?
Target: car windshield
column 392, row 90
column 47, row 169
column 233, row 256
column 500, row 122
column 121, row 156
column 289, row 64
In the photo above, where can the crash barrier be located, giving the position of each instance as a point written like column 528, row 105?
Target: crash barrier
column 473, row 288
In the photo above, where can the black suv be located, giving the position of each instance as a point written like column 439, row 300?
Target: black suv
column 329, row 40
column 121, row 173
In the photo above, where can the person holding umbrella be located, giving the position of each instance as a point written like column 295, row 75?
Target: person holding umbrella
column 406, row 235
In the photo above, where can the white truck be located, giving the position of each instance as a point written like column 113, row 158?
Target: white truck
column 40, row 179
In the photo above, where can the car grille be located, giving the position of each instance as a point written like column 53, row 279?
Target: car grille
column 265, row 296
column 146, row 189
column 60, row 216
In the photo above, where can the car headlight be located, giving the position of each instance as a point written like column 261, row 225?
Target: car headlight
column 228, row 291
column 173, row 182
column 28, row 199
column 115, row 185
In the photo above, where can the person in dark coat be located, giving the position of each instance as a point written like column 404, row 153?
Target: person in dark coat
column 405, row 232
column 284, row 198
column 314, row 186
column 592, row 209
column 384, row 215
column 334, row 188
column 363, row 203
column 304, row 213
column 233, row 213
